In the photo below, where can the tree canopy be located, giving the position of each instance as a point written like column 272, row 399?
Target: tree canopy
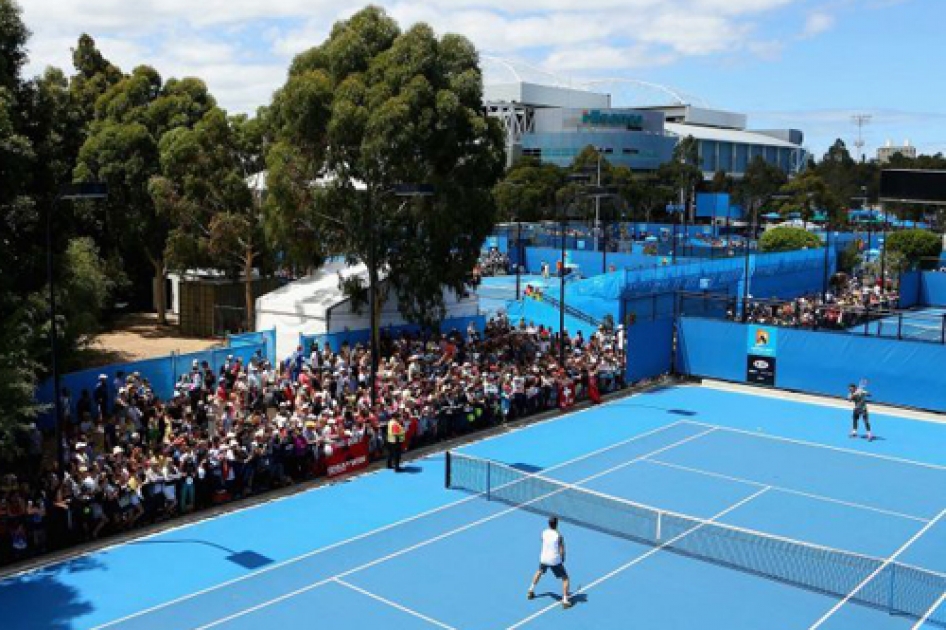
column 918, row 247
column 785, row 239
column 366, row 111
column 123, row 150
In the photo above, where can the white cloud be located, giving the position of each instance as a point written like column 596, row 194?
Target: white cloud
column 596, row 58
column 816, row 23
column 242, row 48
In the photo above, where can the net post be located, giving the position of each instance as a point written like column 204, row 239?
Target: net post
column 942, row 331
column 900, row 326
column 893, row 590
column 489, row 469
column 659, row 524
column 447, row 470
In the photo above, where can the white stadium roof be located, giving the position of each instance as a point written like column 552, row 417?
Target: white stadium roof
column 726, row 135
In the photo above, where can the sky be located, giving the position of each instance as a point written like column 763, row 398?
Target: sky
column 801, row 64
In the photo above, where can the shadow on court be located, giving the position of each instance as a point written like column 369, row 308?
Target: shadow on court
column 248, row 559
column 526, row 468
column 577, row 598
column 411, row 470
column 43, row 599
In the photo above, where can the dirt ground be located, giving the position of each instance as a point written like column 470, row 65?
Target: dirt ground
column 138, row 336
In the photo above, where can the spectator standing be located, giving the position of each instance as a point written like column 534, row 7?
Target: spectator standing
column 395, row 442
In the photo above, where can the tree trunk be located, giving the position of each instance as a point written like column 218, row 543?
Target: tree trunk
column 248, row 289
column 160, row 295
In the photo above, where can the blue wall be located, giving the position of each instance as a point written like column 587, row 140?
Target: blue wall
column 909, row 289
column 649, row 349
column 902, row 373
column 933, row 288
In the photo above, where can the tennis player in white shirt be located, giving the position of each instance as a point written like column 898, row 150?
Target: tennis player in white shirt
column 552, row 557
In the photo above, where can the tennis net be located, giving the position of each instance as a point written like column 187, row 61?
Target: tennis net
column 894, row 587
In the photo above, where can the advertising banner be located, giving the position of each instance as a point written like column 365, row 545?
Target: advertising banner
column 761, row 352
column 347, row 456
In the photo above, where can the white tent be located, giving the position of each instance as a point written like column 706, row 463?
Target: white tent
column 317, row 305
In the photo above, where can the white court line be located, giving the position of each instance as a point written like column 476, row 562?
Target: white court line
column 437, row 538
column 886, row 563
column 641, row 558
column 849, row 451
column 923, row 619
column 809, row 495
column 367, row 534
column 392, row 604
column 822, row 400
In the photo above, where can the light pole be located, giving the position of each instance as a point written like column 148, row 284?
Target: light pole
column 750, row 231
column 408, row 191
column 827, row 245
column 598, row 151
column 577, row 178
column 66, row 193
column 745, row 271
column 519, row 254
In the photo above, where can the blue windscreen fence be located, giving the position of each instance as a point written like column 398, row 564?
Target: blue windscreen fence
column 784, row 275
column 789, row 275
column 909, row 291
column 649, row 321
column 163, row 373
column 933, row 288
column 903, row 373
column 362, row 336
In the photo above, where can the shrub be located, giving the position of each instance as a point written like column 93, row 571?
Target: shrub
column 786, row 239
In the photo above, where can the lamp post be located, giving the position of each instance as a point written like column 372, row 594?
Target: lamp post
column 598, row 151
column 408, row 191
column 745, row 272
column 602, row 192
column 827, row 245
column 519, row 255
column 751, row 230
column 66, row 193
column 577, row 178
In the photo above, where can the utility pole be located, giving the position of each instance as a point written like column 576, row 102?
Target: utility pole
column 860, row 120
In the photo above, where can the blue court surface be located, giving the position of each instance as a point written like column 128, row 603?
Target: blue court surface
column 402, row 551
column 922, row 324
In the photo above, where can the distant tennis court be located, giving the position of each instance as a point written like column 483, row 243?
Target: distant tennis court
column 921, row 324
column 686, row 507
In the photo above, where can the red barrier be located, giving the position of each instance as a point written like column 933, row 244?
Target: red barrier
column 347, row 456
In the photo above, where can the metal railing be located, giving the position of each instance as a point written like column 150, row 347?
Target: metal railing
column 571, row 310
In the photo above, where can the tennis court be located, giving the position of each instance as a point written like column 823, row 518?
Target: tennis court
column 769, row 517
column 922, row 324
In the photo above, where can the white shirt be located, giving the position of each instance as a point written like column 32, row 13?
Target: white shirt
column 551, row 549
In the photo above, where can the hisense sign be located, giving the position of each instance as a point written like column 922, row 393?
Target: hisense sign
column 621, row 120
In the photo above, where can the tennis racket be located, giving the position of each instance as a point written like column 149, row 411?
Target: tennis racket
column 863, row 384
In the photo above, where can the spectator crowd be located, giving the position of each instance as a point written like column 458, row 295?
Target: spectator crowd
column 852, row 303
column 493, row 262
column 236, row 429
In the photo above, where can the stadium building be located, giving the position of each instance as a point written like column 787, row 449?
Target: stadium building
column 555, row 123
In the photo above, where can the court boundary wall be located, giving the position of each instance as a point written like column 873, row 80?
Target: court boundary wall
column 899, row 372
column 932, row 288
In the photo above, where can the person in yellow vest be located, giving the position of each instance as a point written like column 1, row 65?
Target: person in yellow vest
column 395, row 442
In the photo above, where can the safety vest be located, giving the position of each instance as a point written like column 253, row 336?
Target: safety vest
column 395, row 432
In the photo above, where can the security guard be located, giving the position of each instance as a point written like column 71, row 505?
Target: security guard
column 395, row 442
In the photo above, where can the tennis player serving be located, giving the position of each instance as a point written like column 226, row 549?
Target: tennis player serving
column 858, row 395
column 552, row 557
